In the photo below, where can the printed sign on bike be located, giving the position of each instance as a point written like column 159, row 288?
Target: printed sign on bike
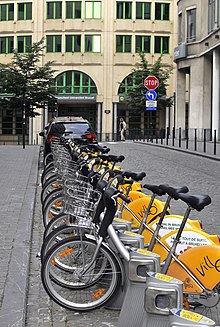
column 192, row 316
column 188, row 239
column 169, row 224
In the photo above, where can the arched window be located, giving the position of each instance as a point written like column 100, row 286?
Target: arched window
column 74, row 82
column 128, row 82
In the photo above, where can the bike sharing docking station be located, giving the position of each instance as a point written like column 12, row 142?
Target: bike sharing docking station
column 132, row 239
column 140, row 262
column 184, row 318
column 149, row 299
column 121, row 224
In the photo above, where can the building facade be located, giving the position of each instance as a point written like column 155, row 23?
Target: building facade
column 198, row 68
column 94, row 46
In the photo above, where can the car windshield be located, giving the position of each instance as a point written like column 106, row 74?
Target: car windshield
column 77, row 128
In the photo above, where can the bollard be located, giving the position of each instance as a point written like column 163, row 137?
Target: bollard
column 184, row 318
column 204, row 140
column 215, row 142
column 180, row 137
column 140, row 263
column 195, row 144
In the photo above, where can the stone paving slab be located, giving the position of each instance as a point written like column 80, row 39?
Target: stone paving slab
column 18, row 175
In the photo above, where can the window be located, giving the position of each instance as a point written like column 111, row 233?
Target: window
column 123, row 43
column 92, row 43
column 25, row 11
column 74, row 82
column 180, row 28
column 93, row 9
column 6, row 12
column 162, row 11
column 24, row 44
column 142, row 43
column 6, row 44
column 124, row 10
column 127, row 84
column 214, row 14
column 161, row 44
column 143, row 10
column 191, row 25
column 73, row 9
column 7, row 121
column 73, row 43
column 53, row 43
column 54, row 10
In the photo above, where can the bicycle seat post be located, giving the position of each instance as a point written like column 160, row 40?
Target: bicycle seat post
column 146, row 214
column 159, row 225
column 176, row 240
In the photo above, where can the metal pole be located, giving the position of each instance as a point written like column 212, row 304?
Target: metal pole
column 167, row 136
column 173, row 134
column 195, row 145
column 215, row 141
column 23, row 124
column 180, row 137
column 204, row 140
column 187, row 138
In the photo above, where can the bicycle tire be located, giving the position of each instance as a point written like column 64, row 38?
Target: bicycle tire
column 92, row 292
column 60, row 220
column 51, row 196
column 53, row 208
column 48, row 187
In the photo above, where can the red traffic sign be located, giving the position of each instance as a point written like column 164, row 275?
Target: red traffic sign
column 151, row 82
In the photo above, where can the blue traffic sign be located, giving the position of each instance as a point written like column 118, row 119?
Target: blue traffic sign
column 151, row 95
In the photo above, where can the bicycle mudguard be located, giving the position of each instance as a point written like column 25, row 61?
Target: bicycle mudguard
column 203, row 262
column 190, row 238
column 170, row 223
column 137, row 208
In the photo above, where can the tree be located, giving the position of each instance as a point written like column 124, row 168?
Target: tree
column 24, row 84
column 136, row 92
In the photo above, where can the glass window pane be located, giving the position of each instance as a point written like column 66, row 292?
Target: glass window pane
column 128, row 10
column 97, row 10
column 58, row 14
column 88, row 43
column 28, row 43
column 119, row 42
column 69, row 9
column 166, row 13
column 147, row 44
column 57, row 43
column 96, row 43
column 20, row 44
column 157, row 48
column 147, row 10
column 3, row 12
column 29, row 10
column 158, row 11
column 49, row 43
column 76, row 78
column 11, row 11
column 119, row 10
column 166, row 44
column 3, row 45
column 138, row 10
column 68, row 43
column 127, row 43
column 50, row 6
column 78, row 9
column 138, row 43
column 20, row 11
column 88, row 12
column 69, row 78
column 77, row 43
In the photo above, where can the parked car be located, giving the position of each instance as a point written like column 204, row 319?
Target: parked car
column 76, row 128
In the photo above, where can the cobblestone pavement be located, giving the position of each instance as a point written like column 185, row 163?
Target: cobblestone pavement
column 162, row 166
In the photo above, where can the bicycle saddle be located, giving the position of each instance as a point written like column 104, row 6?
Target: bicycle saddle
column 173, row 191
column 155, row 189
column 197, row 202
column 135, row 176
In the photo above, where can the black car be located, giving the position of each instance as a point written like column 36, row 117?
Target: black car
column 76, row 128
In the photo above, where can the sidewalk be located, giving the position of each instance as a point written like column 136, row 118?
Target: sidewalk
column 209, row 147
column 18, row 175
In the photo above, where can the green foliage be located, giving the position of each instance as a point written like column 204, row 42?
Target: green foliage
column 24, row 80
column 136, row 93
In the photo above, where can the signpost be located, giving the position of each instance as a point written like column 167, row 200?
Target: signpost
column 151, row 83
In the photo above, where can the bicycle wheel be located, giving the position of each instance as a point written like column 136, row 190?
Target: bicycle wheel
column 50, row 185
column 59, row 220
column 58, row 234
column 53, row 208
column 64, row 282
column 212, row 312
column 50, row 196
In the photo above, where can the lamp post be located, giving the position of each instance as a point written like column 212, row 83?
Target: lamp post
column 23, row 123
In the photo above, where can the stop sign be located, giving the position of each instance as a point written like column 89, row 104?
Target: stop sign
column 151, row 82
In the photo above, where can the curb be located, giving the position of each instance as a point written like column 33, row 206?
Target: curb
column 13, row 311
column 199, row 154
